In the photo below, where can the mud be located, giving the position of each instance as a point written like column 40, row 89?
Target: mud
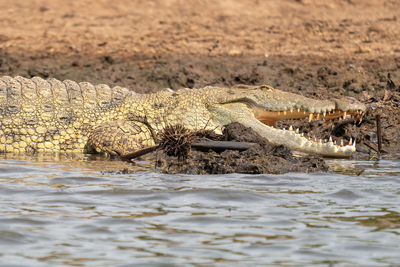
column 260, row 158
column 318, row 49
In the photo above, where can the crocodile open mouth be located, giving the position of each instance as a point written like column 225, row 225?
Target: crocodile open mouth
column 329, row 116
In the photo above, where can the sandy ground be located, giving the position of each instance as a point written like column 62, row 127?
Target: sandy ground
column 315, row 48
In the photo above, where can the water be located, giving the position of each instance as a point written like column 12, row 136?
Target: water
column 66, row 211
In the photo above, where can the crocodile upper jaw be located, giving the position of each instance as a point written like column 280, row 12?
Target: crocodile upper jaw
column 271, row 117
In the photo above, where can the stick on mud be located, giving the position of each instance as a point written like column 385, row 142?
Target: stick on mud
column 379, row 133
column 203, row 145
column 139, row 153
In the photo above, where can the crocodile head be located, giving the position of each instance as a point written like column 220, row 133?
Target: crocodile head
column 260, row 107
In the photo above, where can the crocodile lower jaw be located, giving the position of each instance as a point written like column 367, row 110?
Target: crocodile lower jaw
column 299, row 142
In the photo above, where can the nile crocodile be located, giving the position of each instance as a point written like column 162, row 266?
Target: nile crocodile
column 51, row 115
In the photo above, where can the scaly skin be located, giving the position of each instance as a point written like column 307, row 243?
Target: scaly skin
column 50, row 115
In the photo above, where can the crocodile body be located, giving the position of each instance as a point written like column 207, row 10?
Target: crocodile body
column 50, row 115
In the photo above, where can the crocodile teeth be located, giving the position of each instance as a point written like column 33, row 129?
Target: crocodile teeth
column 317, row 115
column 330, row 138
column 310, row 117
column 324, row 114
column 297, row 131
column 290, row 128
column 344, row 114
column 351, row 141
column 341, row 142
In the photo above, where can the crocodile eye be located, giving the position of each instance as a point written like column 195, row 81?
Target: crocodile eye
column 266, row 87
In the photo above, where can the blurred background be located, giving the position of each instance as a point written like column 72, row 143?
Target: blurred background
column 194, row 43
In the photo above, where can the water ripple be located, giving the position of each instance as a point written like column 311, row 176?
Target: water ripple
column 68, row 211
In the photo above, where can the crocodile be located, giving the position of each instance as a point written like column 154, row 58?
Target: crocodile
column 51, row 115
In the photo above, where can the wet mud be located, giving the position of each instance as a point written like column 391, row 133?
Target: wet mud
column 262, row 157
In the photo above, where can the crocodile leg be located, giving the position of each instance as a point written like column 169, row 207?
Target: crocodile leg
column 119, row 137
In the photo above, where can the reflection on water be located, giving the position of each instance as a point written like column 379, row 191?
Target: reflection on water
column 63, row 210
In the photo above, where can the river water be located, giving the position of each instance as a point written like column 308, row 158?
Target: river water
column 76, row 211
